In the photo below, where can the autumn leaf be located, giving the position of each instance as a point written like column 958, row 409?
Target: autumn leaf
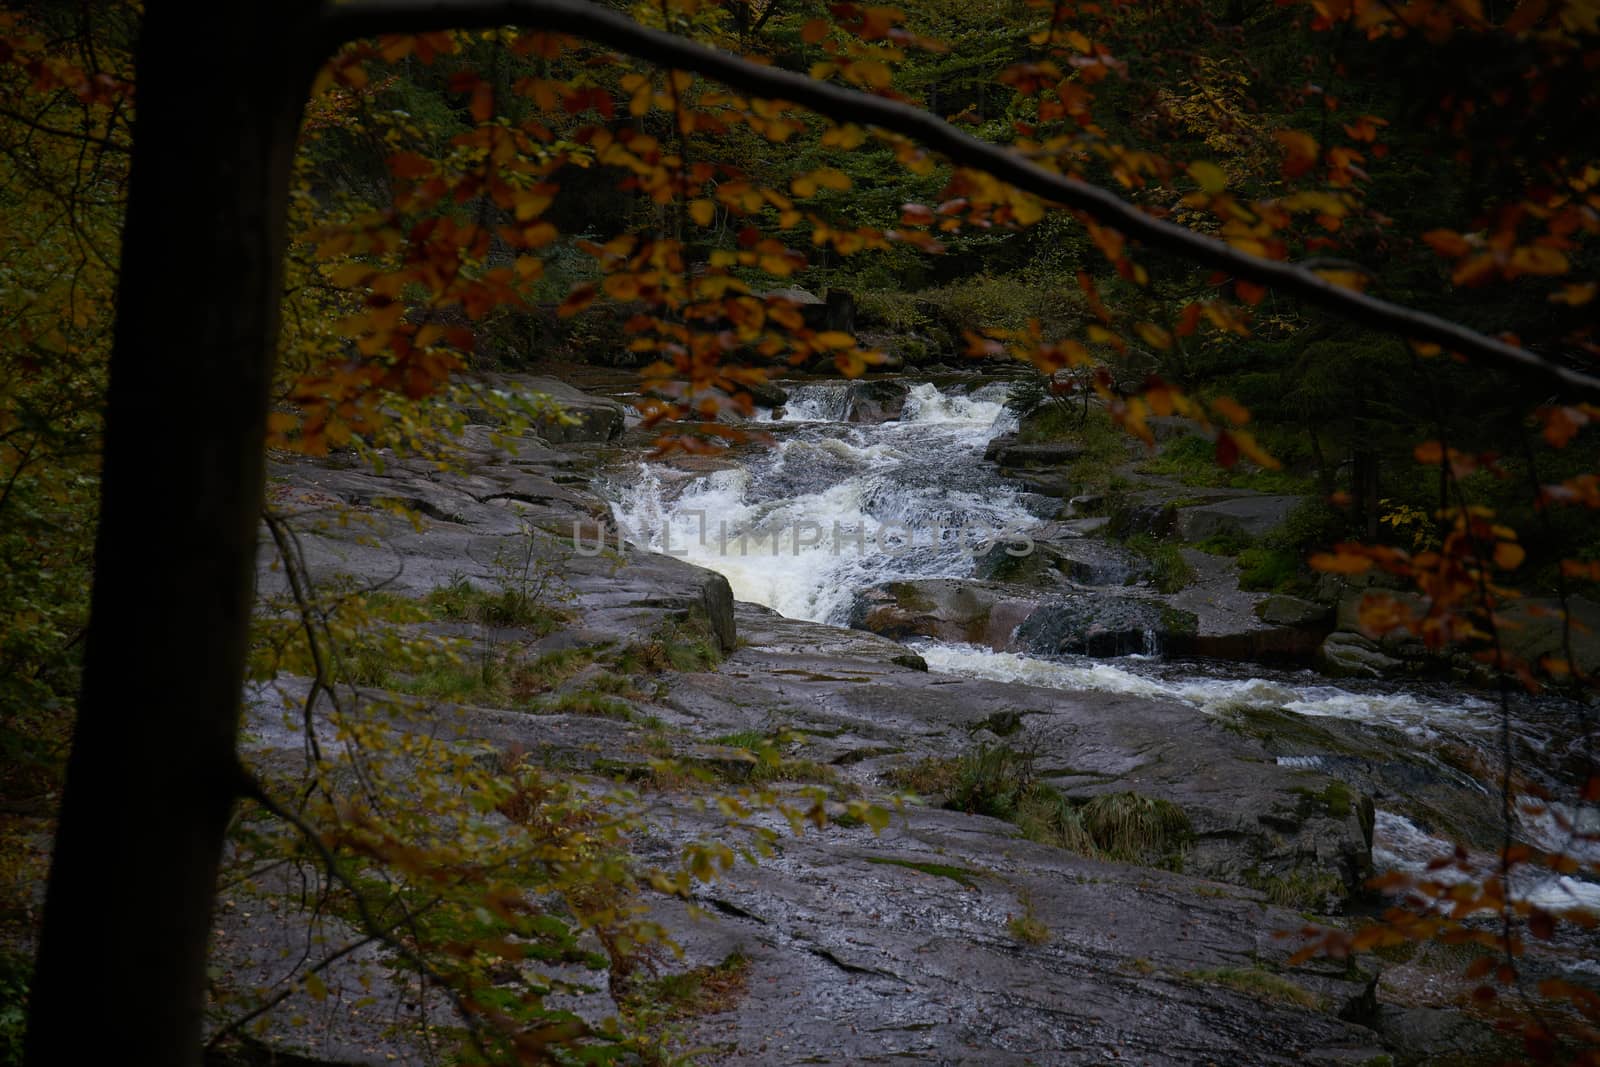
column 1300, row 152
column 1208, row 176
column 1340, row 562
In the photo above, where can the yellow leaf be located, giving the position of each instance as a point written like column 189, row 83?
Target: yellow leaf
column 1574, row 295
column 1447, row 243
column 1154, row 335
column 835, row 339
column 703, row 212
column 1537, row 259
column 847, row 137
column 1209, row 176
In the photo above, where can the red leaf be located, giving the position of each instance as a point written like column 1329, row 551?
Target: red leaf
column 1227, row 450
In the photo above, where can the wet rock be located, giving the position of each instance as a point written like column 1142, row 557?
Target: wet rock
column 1101, row 625
column 1280, row 610
column 1046, row 481
column 946, row 609
column 1088, row 527
column 716, row 599
column 877, row 401
column 767, row 394
column 1437, row 1035
column 1347, row 655
column 1352, row 599
column 1052, row 554
column 1536, row 630
column 1039, row 454
column 1086, row 504
column 1156, row 518
column 1252, row 516
column 598, row 418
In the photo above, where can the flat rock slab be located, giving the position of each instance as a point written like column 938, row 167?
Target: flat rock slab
column 871, row 948
column 1249, row 516
column 899, row 947
column 1252, row 818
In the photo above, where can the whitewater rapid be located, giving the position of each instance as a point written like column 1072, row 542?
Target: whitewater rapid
column 834, row 507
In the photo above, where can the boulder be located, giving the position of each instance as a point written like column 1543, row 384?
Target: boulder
column 1048, row 562
column 877, row 401
column 1534, row 629
column 1280, row 610
column 598, row 418
column 945, row 609
column 1251, row 516
column 767, row 394
column 1013, row 453
column 1157, row 518
column 1348, row 655
column 1102, row 626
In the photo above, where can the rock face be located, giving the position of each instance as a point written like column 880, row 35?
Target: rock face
column 1348, row 655
column 904, row 943
column 598, row 418
column 877, row 401
column 1252, row 516
column 477, row 525
column 947, row 609
column 1008, row 452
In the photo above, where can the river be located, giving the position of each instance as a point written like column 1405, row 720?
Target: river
column 832, row 507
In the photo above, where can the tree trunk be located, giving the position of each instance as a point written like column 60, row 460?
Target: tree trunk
column 1364, row 486
column 151, row 778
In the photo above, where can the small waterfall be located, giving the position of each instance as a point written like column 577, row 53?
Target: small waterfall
column 835, row 507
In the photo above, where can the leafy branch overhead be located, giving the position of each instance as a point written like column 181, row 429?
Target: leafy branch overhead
column 365, row 18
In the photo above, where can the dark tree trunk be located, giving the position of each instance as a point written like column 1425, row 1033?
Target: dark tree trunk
column 151, row 779
column 1325, row 473
column 1364, row 486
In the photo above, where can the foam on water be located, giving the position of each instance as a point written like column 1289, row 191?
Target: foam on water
column 1398, row 844
column 1137, row 676
column 834, row 508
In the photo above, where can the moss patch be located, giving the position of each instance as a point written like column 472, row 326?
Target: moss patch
column 962, row 875
column 1257, row 983
column 701, row 991
column 1001, row 782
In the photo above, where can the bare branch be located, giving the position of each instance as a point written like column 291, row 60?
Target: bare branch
column 343, row 21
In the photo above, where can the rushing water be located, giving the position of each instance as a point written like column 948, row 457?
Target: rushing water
column 834, row 507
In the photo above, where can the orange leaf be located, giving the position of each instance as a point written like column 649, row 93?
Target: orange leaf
column 1575, row 295
column 1447, row 243
column 1300, row 149
column 1340, row 563
column 1508, row 555
column 1231, row 410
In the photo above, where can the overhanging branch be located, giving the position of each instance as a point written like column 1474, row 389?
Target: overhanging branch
column 580, row 18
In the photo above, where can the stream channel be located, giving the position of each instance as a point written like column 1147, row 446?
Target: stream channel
column 830, row 508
